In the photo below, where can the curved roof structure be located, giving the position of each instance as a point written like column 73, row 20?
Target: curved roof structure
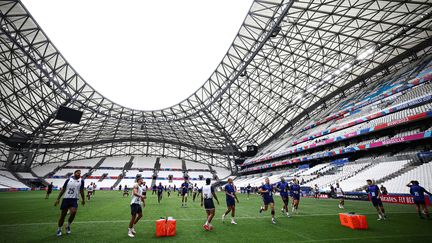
column 288, row 59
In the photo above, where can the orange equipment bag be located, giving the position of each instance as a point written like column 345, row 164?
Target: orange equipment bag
column 353, row 221
column 171, row 227
column 161, row 228
column 166, row 227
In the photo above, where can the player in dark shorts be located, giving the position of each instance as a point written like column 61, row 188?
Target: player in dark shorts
column 231, row 199
column 136, row 205
column 184, row 192
column 418, row 192
column 49, row 190
column 160, row 189
column 266, row 191
column 207, row 196
column 295, row 195
column 248, row 190
column 125, row 191
column 375, row 197
column 195, row 192
column 283, row 188
column 70, row 190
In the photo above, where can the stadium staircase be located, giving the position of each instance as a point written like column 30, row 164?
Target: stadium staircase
column 184, row 168
column 95, row 167
column 156, row 169
column 126, row 167
column 17, row 177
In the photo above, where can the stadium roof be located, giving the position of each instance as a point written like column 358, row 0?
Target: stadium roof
column 289, row 59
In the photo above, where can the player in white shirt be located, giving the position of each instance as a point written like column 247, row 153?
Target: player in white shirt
column 89, row 191
column 207, row 195
column 137, row 202
column 340, row 196
column 195, row 192
column 70, row 189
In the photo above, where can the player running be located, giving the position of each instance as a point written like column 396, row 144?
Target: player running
column 138, row 199
column 195, row 192
column 231, row 197
column 207, row 196
column 184, row 192
column 160, row 189
column 89, row 191
column 169, row 189
column 248, row 190
column 340, row 195
column 70, row 189
column 266, row 191
column 295, row 194
column 125, row 191
column 418, row 192
column 49, row 190
column 375, row 197
column 283, row 187
column 316, row 192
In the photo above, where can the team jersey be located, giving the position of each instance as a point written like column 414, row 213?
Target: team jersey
column 207, row 191
column 160, row 189
column 185, row 187
column 72, row 187
column 248, row 188
column 230, row 189
column 283, row 186
column 135, row 199
column 339, row 192
column 373, row 191
column 417, row 192
column 195, row 189
column 90, row 188
column 295, row 190
column 269, row 191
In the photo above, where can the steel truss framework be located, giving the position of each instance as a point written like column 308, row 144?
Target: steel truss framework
column 270, row 79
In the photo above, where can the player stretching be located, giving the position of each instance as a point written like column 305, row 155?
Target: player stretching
column 266, row 191
column 207, row 196
column 340, row 195
column 72, row 186
column 138, row 199
column 231, row 197
column 160, row 189
column 295, row 194
column 282, row 187
column 418, row 192
column 184, row 192
column 375, row 197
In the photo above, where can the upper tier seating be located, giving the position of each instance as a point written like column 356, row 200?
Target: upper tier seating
column 144, row 162
column 170, row 163
column 84, row 163
column 115, row 162
column 196, row 166
column 8, row 180
column 43, row 170
column 422, row 173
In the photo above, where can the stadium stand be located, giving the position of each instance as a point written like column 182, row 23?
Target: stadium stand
column 144, row 162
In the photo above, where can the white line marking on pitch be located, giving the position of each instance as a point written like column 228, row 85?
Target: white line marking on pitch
column 180, row 219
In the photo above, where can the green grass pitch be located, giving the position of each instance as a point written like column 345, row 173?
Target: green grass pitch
column 28, row 217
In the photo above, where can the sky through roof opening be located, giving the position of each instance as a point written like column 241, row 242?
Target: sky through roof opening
column 144, row 55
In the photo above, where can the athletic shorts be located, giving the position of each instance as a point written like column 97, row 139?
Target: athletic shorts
column 135, row 208
column 230, row 202
column 296, row 197
column 376, row 202
column 49, row 191
column 267, row 201
column 285, row 199
column 419, row 202
column 69, row 203
column 208, row 204
column 184, row 193
column 340, row 197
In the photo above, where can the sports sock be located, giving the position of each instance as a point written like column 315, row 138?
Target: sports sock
column 273, row 212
